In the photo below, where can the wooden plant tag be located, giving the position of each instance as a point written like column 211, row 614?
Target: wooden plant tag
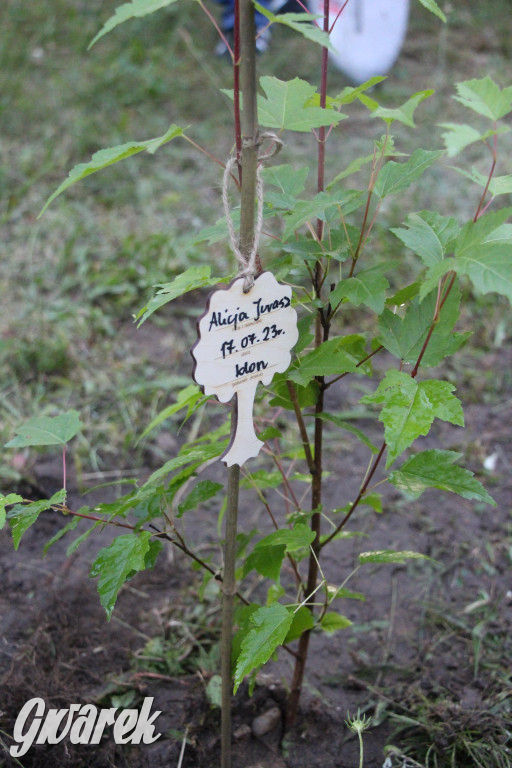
column 244, row 338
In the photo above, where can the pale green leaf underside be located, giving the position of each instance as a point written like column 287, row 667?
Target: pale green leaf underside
column 429, row 234
column 498, row 185
column 47, row 430
column 323, row 204
column 405, row 113
column 332, row 621
column 459, row 136
column 389, row 556
column 189, row 280
column 203, row 491
column 299, row 22
column 396, row 177
column 188, row 398
column 106, row 157
column 298, row 537
column 485, row 97
column 134, row 9
column 283, row 184
column 436, row 469
column 271, row 624
column 433, row 7
column 342, row 424
column 482, row 253
column 350, row 94
column 284, row 106
column 196, row 456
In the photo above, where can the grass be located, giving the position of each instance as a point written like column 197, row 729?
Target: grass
column 66, row 333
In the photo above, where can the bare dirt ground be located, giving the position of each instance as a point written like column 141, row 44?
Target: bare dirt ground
column 436, row 635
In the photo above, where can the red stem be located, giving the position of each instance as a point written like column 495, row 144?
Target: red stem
column 359, row 496
column 338, row 15
column 64, row 478
column 494, row 153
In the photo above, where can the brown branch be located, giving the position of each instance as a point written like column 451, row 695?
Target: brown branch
column 361, row 362
column 362, row 491
column 302, row 428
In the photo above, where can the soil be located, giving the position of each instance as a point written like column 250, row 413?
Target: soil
column 414, row 639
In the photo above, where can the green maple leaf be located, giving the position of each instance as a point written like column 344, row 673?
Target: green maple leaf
column 300, row 23
column 367, row 287
column 485, row 97
column 131, row 10
column 405, row 113
column 22, row 516
column 47, row 430
column 482, row 253
column 285, row 106
column 106, row 157
column 410, row 407
column 404, row 337
column 429, row 235
column 436, row 469
column 189, row 280
column 333, row 357
column 396, row 177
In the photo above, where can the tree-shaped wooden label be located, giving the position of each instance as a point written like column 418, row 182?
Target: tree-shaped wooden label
column 244, row 338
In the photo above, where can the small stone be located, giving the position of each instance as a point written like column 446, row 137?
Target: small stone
column 266, row 722
column 242, row 732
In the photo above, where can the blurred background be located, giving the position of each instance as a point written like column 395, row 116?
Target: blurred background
column 72, row 281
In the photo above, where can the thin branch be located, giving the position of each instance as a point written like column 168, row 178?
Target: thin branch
column 376, row 168
column 302, row 428
column 66, row 511
column 204, row 151
column 359, row 496
column 494, row 153
column 361, row 362
column 338, row 15
column 219, row 30
column 283, row 474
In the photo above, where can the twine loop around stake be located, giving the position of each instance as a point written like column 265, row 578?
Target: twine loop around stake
column 247, row 262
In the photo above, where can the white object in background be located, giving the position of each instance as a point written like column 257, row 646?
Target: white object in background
column 244, row 338
column 368, row 35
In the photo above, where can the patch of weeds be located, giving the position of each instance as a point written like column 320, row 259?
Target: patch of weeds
column 440, row 732
column 189, row 639
column 30, row 357
column 459, row 715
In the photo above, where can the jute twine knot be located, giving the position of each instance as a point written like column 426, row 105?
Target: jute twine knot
column 247, row 262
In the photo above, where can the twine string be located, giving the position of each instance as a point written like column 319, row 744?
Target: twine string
column 247, row 262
